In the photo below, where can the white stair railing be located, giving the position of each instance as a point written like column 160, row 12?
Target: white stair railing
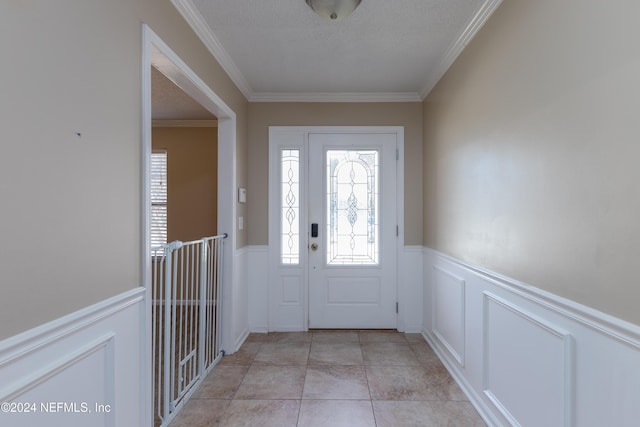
column 186, row 291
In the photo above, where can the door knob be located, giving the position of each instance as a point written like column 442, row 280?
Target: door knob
column 314, row 246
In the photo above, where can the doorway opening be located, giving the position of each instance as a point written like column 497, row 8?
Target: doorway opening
column 162, row 71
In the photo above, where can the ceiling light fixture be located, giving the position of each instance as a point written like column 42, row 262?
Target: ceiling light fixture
column 333, row 10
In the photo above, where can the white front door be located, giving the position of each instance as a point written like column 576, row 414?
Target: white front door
column 352, row 230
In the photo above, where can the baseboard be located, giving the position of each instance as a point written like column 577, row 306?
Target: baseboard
column 241, row 339
column 495, row 334
column 74, row 364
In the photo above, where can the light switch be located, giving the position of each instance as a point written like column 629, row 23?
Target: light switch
column 240, row 223
column 242, row 195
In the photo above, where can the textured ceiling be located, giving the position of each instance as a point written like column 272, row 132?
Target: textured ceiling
column 169, row 102
column 283, row 47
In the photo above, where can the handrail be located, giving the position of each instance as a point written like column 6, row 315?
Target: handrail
column 177, row 244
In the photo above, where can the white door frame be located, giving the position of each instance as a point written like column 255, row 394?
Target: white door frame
column 293, row 315
column 158, row 54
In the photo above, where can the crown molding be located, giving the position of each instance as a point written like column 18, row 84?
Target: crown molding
column 335, row 97
column 458, row 46
column 184, row 123
column 196, row 21
column 194, row 18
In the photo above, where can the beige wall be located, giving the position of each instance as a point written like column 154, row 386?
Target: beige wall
column 74, row 66
column 532, row 141
column 192, row 180
column 263, row 115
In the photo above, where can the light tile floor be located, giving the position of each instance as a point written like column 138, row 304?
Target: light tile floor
column 330, row 379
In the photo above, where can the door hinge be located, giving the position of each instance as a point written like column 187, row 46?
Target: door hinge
column 397, row 230
column 397, row 154
column 396, row 307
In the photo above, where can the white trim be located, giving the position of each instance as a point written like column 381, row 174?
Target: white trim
column 146, row 373
column 454, row 51
column 258, row 288
column 568, row 351
column 335, row 97
column 236, row 311
column 52, row 369
column 532, row 318
column 194, row 18
column 458, row 354
column 240, row 340
column 156, row 53
column 410, row 289
column 184, row 123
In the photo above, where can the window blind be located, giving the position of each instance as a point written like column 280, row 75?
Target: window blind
column 158, row 198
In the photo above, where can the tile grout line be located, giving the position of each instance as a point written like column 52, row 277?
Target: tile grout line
column 416, row 351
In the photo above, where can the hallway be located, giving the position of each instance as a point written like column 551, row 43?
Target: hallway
column 330, row 378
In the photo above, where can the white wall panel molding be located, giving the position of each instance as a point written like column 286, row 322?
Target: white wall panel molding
column 51, row 369
column 410, row 286
column 90, row 357
column 27, row 342
column 611, row 326
column 237, row 307
column 258, row 287
column 539, row 352
column 527, row 349
column 448, row 310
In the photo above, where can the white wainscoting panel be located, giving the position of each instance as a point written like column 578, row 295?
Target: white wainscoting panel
column 531, row 358
column 258, row 277
column 410, row 287
column 448, row 311
column 519, row 345
column 82, row 369
column 238, row 305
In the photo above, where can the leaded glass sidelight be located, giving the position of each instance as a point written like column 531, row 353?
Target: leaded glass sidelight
column 353, row 200
column 290, row 207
